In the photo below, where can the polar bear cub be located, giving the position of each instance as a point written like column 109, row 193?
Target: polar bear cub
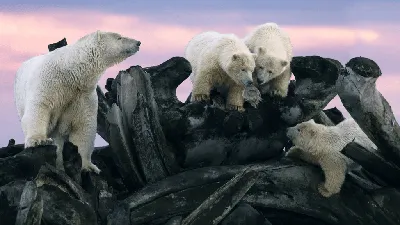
column 273, row 48
column 321, row 145
column 55, row 93
column 220, row 60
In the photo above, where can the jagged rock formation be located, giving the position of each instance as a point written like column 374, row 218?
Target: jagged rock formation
column 178, row 163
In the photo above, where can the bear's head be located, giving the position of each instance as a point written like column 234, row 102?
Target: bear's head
column 267, row 66
column 116, row 48
column 305, row 134
column 241, row 67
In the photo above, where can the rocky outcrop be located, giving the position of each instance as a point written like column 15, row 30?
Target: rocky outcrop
column 178, row 163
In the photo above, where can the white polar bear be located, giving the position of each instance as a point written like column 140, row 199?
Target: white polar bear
column 220, row 60
column 321, row 145
column 55, row 93
column 273, row 48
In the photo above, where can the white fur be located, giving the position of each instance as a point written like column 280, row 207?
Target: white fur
column 321, row 145
column 211, row 56
column 214, row 50
column 272, row 46
column 55, row 93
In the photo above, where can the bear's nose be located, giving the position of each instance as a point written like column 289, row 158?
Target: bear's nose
column 138, row 43
column 249, row 82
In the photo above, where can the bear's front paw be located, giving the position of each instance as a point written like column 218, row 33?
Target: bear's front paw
column 37, row 141
column 235, row 108
column 90, row 167
column 200, row 98
column 278, row 93
column 293, row 152
column 323, row 191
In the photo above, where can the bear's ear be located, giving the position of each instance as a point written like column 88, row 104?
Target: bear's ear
column 284, row 63
column 235, row 56
column 312, row 121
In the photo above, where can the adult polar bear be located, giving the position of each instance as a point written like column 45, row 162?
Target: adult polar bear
column 220, row 60
column 273, row 48
column 55, row 93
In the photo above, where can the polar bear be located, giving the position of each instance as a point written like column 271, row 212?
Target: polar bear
column 321, row 145
column 273, row 48
column 55, row 93
column 220, row 60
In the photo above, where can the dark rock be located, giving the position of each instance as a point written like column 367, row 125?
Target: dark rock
column 373, row 163
column 256, row 150
column 30, row 206
column 11, row 142
column 60, row 208
column 177, row 220
column 148, row 140
column 223, row 200
column 152, row 135
column 72, row 162
column 10, row 195
column 26, row 164
column 120, row 215
column 167, row 77
column 322, row 118
column 334, row 115
column 11, row 150
column 233, row 124
column 59, row 44
column 208, row 153
column 364, row 67
column 64, row 201
column 245, row 214
column 357, row 90
column 254, row 120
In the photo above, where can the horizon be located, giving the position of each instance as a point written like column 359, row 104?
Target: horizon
column 332, row 29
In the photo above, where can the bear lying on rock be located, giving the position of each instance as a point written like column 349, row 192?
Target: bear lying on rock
column 321, row 145
column 55, row 93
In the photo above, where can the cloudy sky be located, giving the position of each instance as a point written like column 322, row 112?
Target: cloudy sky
column 336, row 29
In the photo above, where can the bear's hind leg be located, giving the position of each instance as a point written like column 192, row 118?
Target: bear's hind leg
column 84, row 138
column 35, row 125
column 235, row 98
column 334, row 167
column 84, row 128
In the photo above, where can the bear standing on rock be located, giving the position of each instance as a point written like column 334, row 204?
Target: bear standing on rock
column 273, row 48
column 55, row 93
column 321, row 145
column 220, row 60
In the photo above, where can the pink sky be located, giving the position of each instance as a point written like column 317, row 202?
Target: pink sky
column 23, row 35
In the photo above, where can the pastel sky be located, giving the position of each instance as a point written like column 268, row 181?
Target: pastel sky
column 338, row 29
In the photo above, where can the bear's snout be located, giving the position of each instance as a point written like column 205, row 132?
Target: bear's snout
column 248, row 83
column 138, row 43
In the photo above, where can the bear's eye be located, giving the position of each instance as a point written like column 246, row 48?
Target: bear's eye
column 261, row 67
column 119, row 38
column 298, row 129
column 269, row 71
column 243, row 70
